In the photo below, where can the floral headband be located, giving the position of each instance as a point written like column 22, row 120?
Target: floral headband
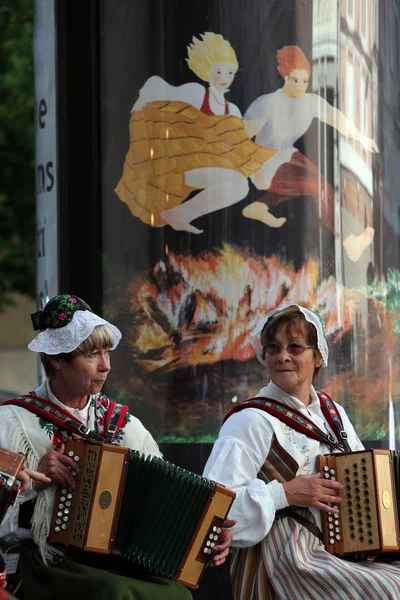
column 64, row 323
column 58, row 312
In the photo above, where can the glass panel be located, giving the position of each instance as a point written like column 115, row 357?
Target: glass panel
column 238, row 173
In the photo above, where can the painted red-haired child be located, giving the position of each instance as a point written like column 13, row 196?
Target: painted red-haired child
column 278, row 120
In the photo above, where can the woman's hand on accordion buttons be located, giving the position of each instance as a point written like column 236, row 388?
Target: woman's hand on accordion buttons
column 25, row 476
column 313, row 490
column 58, row 467
column 221, row 550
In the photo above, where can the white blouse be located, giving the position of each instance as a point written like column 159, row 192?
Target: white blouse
column 242, row 447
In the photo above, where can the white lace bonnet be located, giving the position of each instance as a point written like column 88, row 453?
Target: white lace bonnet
column 310, row 316
column 65, row 322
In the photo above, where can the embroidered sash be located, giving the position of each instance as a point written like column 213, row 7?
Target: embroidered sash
column 64, row 420
column 300, row 422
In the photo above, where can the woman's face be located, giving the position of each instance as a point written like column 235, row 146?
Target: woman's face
column 221, row 75
column 296, row 83
column 292, row 373
column 86, row 374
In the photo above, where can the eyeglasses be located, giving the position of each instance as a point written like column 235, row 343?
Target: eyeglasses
column 293, row 349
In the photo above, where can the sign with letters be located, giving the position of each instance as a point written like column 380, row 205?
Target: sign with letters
column 46, row 151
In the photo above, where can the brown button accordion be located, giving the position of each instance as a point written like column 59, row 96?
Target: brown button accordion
column 368, row 522
column 154, row 515
column 10, row 465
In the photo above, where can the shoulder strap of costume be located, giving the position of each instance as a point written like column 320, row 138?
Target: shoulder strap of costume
column 332, row 415
column 290, row 416
column 114, row 419
column 55, row 414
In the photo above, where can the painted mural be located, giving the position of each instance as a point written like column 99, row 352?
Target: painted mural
column 233, row 208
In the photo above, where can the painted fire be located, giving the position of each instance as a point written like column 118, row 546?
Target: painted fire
column 187, row 324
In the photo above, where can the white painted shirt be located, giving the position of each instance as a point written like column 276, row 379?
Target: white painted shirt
column 283, row 120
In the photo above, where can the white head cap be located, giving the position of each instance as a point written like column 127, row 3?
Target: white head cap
column 65, row 322
column 310, row 316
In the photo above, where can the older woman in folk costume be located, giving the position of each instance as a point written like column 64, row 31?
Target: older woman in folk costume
column 75, row 346
column 186, row 138
column 277, row 120
column 270, row 463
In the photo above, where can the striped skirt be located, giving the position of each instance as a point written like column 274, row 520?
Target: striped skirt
column 292, row 564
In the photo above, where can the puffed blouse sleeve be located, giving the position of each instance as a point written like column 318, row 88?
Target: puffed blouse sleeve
column 156, row 88
column 235, row 461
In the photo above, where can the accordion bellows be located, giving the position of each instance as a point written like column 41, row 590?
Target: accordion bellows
column 368, row 521
column 154, row 515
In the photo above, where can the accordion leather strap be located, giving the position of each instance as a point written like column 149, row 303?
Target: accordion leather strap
column 54, row 414
column 333, row 417
column 115, row 417
column 296, row 420
column 290, row 512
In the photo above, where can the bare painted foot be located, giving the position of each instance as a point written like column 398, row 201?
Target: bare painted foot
column 356, row 244
column 260, row 212
column 176, row 224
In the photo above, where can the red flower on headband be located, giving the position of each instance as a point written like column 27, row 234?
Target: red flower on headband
column 73, row 300
column 62, row 317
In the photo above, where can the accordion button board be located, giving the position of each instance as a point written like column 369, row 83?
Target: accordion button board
column 368, row 518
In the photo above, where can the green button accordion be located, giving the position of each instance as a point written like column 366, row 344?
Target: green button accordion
column 154, row 515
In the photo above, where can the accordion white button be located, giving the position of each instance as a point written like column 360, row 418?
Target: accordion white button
column 331, row 534
column 59, row 514
column 337, row 529
column 65, row 519
column 331, row 541
column 70, row 453
column 326, row 475
column 56, row 529
column 63, row 491
column 66, row 511
column 68, row 503
column 73, row 473
column 215, row 537
column 69, row 496
column 58, row 521
column 211, row 536
column 336, row 522
column 338, row 537
column 332, row 471
column 214, row 529
column 62, row 499
column 63, row 526
column 76, row 458
column 218, row 529
column 326, row 468
column 330, row 519
column 61, row 505
column 205, row 551
column 330, row 526
column 212, row 545
column 208, row 543
column 333, row 478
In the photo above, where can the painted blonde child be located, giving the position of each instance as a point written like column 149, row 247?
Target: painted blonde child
column 198, row 142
